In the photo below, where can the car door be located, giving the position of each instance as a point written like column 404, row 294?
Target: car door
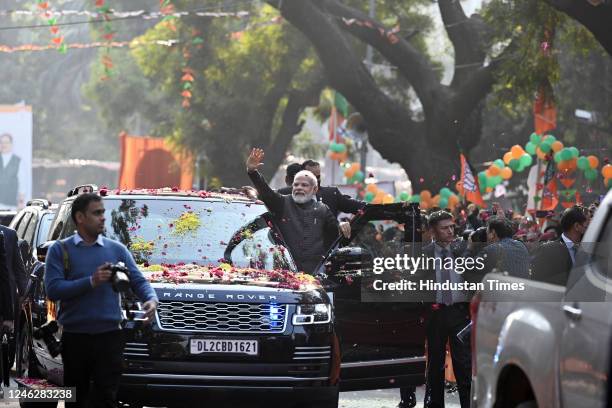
column 381, row 338
column 587, row 310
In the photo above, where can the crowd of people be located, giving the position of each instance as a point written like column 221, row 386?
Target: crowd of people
column 511, row 243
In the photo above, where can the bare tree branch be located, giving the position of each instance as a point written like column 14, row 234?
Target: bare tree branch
column 291, row 125
column 343, row 68
column 412, row 64
column 596, row 19
column 465, row 35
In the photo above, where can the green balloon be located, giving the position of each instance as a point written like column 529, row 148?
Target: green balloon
column 574, row 151
column 535, row 139
column 545, row 147
column 557, row 157
column 482, row 178
column 445, row 192
column 416, row 198
column 514, row 164
column 525, row 160
column 495, row 180
column 341, row 148
column 499, row 163
column 590, row 174
column 550, row 139
column 443, row 203
column 520, row 168
column 369, row 196
column 359, row 176
column 566, row 154
column 530, row 148
column 583, row 163
column 609, row 183
column 404, row 196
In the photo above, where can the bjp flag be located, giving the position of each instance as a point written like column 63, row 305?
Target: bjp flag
column 471, row 189
column 150, row 162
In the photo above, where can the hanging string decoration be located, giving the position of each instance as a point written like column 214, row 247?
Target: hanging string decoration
column 57, row 38
column 108, row 34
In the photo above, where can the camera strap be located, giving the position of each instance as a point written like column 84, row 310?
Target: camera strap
column 65, row 258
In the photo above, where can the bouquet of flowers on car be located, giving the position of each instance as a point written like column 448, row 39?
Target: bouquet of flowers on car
column 228, row 274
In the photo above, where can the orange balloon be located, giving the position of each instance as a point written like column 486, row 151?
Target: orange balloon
column 517, row 151
column 593, row 161
column 355, row 167
column 348, row 173
column 453, row 201
column 372, row 188
column 541, row 155
column 436, row 200
column 388, row 199
column 562, row 165
column 425, row 205
column 556, row 146
column 572, row 164
column 493, row 171
column 489, row 189
column 508, row 157
column 606, row 171
column 425, row 195
column 506, row 173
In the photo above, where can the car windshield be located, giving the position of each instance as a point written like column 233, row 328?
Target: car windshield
column 163, row 231
column 43, row 229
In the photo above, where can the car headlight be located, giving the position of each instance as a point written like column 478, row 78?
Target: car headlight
column 319, row 313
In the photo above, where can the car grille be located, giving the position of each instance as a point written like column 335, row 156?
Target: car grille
column 312, row 353
column 222, row 317
column 136, row 350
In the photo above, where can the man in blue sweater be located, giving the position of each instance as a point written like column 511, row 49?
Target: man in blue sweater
column 90, row 310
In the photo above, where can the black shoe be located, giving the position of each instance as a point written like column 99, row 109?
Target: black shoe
column 408, row 403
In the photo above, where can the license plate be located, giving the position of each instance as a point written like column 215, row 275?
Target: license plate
column 249, row 347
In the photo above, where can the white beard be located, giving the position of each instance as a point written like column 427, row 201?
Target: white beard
column 301, row 199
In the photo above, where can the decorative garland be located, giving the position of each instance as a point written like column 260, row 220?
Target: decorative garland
column 225, row 273
column 57, row 39
column 114, row 44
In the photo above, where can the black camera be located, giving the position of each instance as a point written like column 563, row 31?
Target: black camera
column 46, row 333
column 120, row 277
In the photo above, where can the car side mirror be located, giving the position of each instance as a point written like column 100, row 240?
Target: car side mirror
column 41, row 251
column 348, row 259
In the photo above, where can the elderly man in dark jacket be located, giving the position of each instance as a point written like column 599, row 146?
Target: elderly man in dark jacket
column 303, row 222
column 330, row 196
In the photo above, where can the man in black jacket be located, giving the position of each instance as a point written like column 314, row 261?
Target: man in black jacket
column 450, row 312
column 14, row 264
column 331, row 196
column 554, row 260
column 6, row 303
column 303, row 222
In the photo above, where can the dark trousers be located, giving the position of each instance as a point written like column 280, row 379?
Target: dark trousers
column 443, row 326
column 96, row 357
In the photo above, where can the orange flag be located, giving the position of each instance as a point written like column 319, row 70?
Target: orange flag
column 471, row 190
column 148, row 162
column 544, row 113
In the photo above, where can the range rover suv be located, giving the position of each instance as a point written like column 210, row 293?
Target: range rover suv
column 235, row 316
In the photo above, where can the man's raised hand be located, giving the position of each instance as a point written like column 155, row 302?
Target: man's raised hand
column 254, row 162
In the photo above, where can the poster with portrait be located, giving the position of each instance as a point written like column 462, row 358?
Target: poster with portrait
column 15, row 155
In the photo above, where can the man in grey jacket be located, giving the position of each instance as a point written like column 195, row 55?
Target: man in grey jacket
column 305, row 224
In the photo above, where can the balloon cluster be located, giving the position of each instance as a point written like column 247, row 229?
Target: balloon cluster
column 374, row 195
column 338, row 152
column 588, row 164
column 606, row 172
column 353, row 173
column 444, row 199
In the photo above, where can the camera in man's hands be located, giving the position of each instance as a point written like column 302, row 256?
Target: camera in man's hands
column 46, row 333
column 120, row 277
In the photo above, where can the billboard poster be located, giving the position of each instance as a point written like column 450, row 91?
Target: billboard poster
column 15, row 155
